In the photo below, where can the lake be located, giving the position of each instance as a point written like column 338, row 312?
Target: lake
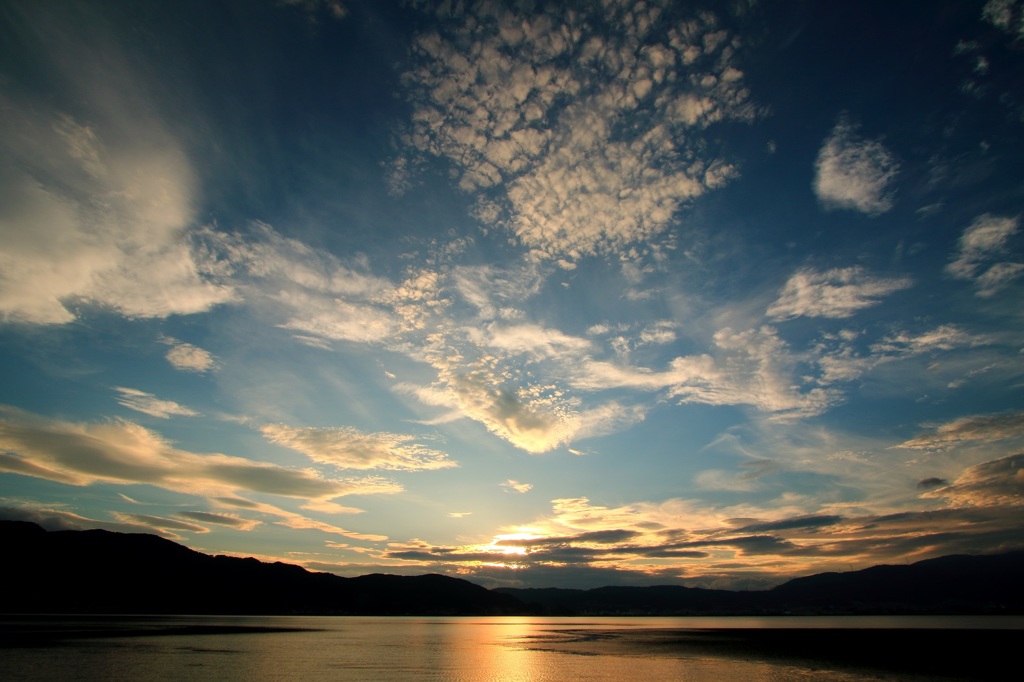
column 309, row 649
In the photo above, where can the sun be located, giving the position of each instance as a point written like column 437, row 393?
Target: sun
column 496, row 545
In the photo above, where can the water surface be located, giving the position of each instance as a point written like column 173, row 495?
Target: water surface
column 309, row 649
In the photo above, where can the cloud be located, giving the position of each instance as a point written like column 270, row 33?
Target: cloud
column 511, row 486
column 836, row 293
column 716, row 479
column 148, row 403
column 96, row 208
column 793, row 523
column 534, row 419
column 751, row 367
column 229, row 520
column 310, row 290
column 841, row 359
column 577, row 138
column 159, row 524
column 530, row 339
column 53, row 519
column 855, row 173
column 987, row 428
column 943, row 338
column 122, row 452
column 188, row 358
column 1006, row 15
column 490, row 289
column 290, row 519
column 348, row 448
column 980, row 247
column 606, row 418
column 994, row 483
column 725, row 546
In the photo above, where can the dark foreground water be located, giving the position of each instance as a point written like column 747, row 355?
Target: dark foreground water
column 508, row 648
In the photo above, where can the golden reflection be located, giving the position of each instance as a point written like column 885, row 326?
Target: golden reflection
column 501, row 650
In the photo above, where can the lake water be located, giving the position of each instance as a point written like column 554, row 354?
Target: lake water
column 308, row 649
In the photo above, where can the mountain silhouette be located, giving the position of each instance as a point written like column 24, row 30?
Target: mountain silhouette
column 98, row 571
column 958, row 584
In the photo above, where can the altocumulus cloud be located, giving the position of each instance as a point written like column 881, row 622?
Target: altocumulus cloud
column 532, row 110
column 853, row 172
column 348, row 448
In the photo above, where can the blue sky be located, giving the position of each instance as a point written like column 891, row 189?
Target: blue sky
column 543, row 294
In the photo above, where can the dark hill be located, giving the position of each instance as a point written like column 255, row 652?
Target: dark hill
column 947, row 585
column 950, row 584
column 96, row 571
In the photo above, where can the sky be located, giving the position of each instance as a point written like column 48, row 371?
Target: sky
column 543, row 294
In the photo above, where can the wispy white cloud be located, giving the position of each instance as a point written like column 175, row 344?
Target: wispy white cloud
column 511, row 486
column 533, row 418
column 188, row 358
column 986, row 428
column 95, row 208
column 842, row 357
column 491, row 289
column 853, row 172
column 160, row 524
column 532, row 109
column 836, row 293
column 348, row 448
column 607, row 418
column 978, row 256
column 290, row 519
column 529, row 339
column 229, row 520
column 942, row 338
column 54, row 517
column 997, row 482
column 717, row 479
column 751, row 367
column 147, row 403
column 122, row 452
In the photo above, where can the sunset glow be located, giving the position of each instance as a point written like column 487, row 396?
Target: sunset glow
column 536, row 294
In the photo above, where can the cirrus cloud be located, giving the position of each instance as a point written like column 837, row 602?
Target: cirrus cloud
column 836, row 293
column 147, row 403
column 978, row 256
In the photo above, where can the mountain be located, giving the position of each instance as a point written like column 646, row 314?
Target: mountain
column 97, row 571
column 988, row 584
